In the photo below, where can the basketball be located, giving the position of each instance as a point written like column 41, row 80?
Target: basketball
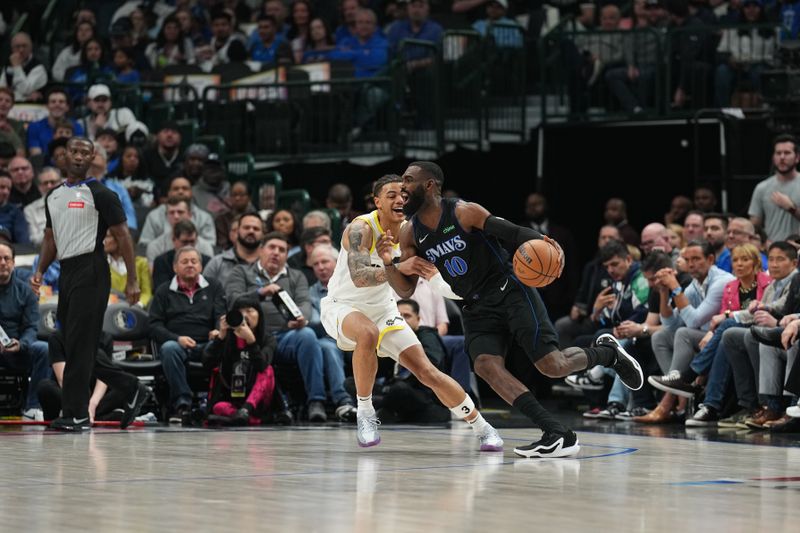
column 536, row 263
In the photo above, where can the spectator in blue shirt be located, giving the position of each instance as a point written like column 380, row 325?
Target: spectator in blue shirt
column 12, row 218
column 503, row 37
column 99, row 171
column 790, row 20
column 125, row 66
column 270, row 47
column 40, row 133
column 320, row 43
column 348, row 28
column 94, row 68
column 368, row 50
column 416, row 26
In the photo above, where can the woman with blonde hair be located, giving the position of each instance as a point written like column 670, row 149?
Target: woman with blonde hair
column 675, row 236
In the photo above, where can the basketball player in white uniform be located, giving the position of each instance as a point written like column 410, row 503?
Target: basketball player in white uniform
column 361, row 314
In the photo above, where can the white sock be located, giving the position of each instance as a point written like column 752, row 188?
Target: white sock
column 365, row 407
column 479, row 424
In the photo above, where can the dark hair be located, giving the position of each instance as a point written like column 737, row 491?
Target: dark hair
column 785, row 247
column 383, row 181
column 293, row 28
column 655, row 261
column 238, row 218
column 272, row 235
column 785, row 138
column 175, row 177
column 220, row 13
column 433, row 171
column 56, row 143
column 176, row 201
column 243, row 182
column 762, row 233
column 719, row 216
column 141, row 171
column 161, row 39
column 56, row 89
column 292, row 239
column 309, row 235
column 408, row 301
column 183, row 227
column 270, row 18
column 260, row 331
column 703, row 245
column 10, row 247
column 612, row 249
column 103, row 52
column 329, row 39
column 73, row 43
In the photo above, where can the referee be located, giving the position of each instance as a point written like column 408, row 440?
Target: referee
column 78, row 213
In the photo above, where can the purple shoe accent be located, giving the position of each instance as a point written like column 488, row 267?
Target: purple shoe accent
column 490, row 448
column 369, row 444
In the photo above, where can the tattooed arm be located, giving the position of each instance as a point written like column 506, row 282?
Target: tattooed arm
column 357, row 242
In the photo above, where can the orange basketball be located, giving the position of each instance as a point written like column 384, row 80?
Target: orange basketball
column 536, row 263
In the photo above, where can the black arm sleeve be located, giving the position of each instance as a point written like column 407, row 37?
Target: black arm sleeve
column 509, row 232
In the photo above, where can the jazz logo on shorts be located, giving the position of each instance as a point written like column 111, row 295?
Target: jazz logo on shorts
column 393, row 321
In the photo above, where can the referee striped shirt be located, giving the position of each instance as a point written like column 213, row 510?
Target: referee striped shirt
column 80, row 215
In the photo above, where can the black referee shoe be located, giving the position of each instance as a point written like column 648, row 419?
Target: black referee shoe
column 71, row 424
column 626, row 367
column 133, row 404
column 552, row 445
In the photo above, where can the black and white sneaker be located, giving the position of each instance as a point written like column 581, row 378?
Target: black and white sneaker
column 552, row 445
column 706, row 416
column 71, row 424
column 626, row 367
column 674, row 383
column 584, row 381
column 132, row 405
column 611, row 412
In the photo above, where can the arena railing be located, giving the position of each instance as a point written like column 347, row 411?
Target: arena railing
column 506, row 96
column 463, row 83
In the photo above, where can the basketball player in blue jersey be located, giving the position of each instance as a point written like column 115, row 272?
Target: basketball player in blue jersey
column 461, row 240
column 361, row 314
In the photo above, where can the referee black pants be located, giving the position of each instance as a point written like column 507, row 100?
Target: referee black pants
column 83, row 290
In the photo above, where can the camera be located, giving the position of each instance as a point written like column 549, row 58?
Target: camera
column 234, row 318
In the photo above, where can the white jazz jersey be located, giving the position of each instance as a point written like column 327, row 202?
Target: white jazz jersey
column 341, row 287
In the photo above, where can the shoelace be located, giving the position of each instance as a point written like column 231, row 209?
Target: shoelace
column 368, row 423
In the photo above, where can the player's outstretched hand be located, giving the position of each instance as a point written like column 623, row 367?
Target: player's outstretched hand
column 417, row 266
column 384, row 246
column 560, row 253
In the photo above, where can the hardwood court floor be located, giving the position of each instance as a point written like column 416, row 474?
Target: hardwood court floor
column 309, row 479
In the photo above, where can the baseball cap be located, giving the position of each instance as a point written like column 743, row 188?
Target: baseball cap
column 99, row 90
column 199, row 150
column 214, row 159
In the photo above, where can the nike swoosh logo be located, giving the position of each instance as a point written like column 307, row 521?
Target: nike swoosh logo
column 79, row 420
column 504, row 285
column 422, row 239
column 133, row 402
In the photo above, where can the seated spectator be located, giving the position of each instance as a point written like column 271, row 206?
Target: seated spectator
column 317, row 218
column 693, row 226
column 70, row 56
column 340, row 197
column 163, row 159
column 320, row 43
column 177, row 210
column 656, row 238
column 323, row 261
column 124, row 66
column 244, row 383
column 116, row 395
column 309, row 239
column 132, row 175
column 616, row 214
column 299, row 28
column 285, row 221
column 194, row 161
column 212, row 190
column 678, row 209
column 270, row 47
column 107, row 138
column 740, row 231
column 297, row 343
column 634, row 84
column 178, row 188
column 11, row 131
column 418, row 26
column 40, row 133
column 746, row 52
column 245, row 249
column 705, row 200
column 98, row 170
column 102, row 113
column 503, row 37
column 25, row 74
column 239, row 203
column 119, row 272
column 774, row 202
column 57, row 148
column 23, row 191
column 277, row 10
column 715, row 229
column 594, row 280
column 405, row 399
column 19, row 316
column 224, row 45
column 11, row 218
column 349, row 11
column 684, row 327
column 266, row 201
column 49, row 178
column 183, row 315
column 183, row 234
column 94, row 68
column 171, row 47
column 675, row 236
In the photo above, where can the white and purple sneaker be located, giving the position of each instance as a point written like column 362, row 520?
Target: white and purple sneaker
column 367, row 432
column 490, row 440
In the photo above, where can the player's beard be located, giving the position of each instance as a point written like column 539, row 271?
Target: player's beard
column 414, row 202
